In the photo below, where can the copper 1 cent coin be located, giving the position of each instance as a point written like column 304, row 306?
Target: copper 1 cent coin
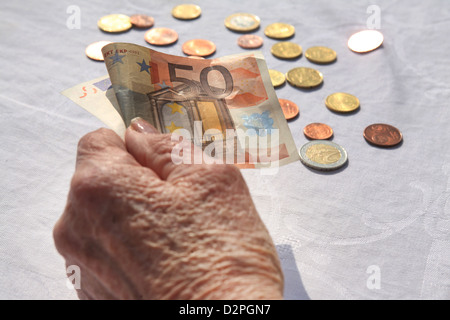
column 142, row 21
column 199, row 47
column 161, row 36
column 318, row 131
column 290, row 109
column 383, row 135
column 250, row 41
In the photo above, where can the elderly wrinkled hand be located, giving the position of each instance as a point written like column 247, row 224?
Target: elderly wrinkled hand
column 141, row 227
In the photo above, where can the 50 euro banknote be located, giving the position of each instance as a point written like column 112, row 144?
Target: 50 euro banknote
column 226, row 106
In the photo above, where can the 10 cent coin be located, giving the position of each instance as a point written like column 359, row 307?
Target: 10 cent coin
column 320, row 55
column 279, row 30
column 302, row 77
column 286, row 50
column 186, row 11
column 278, row 78
column 114, row 23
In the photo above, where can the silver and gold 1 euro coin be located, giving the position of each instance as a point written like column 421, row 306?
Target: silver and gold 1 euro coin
column 323, row 155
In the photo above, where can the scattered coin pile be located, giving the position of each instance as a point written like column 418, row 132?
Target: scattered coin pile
column 319, row 154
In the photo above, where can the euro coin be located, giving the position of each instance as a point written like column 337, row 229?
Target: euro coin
column 278, row 78
column 342, row 102
column 365, row 41
column 186, row 11
column 114, row 23
column 286, row 50
column 94, row 50
column 323, row 155
column 250, row 41
column 199, row 47
column 142, row 21
column 290, row 109
column 161, row 36
column 279, row 30
column 320, row 55
column 302, row 77
column 242, row 22
column 383, row 135
column 318, row 131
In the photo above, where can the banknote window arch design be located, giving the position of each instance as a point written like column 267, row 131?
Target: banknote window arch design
column 177, row 107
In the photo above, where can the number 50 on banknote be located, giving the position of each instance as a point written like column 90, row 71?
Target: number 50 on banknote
column 227, row 106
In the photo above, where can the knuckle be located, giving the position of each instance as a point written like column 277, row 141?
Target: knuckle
column 161, row 144
column 87, row 182
column 91, row 140
column 220, row 176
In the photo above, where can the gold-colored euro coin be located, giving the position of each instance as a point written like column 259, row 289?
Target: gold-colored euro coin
column 302, row 77
column 186, row 11
column 94, row 50
column 279, row 30
column 115, row 23
column 320, row 55
column 242, row 22
column 278, row 78
column 286, row 50
column 342, row 102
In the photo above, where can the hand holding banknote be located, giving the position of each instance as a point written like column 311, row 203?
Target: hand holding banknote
column 141, row 227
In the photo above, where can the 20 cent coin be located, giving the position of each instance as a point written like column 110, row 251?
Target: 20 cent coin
column 342, row 102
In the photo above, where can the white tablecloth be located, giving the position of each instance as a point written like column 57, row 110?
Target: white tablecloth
column 378, row 229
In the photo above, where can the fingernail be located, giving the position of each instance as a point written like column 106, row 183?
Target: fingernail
column 140, row 125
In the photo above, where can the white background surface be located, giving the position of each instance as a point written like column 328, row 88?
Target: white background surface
column 388, row 208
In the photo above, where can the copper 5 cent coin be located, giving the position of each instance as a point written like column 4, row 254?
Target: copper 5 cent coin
column 142, row 21
column 318, row 131
column 199, row 47
column 383, row 135
column 250, row 41
column 161, row 36
column 290, row 109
